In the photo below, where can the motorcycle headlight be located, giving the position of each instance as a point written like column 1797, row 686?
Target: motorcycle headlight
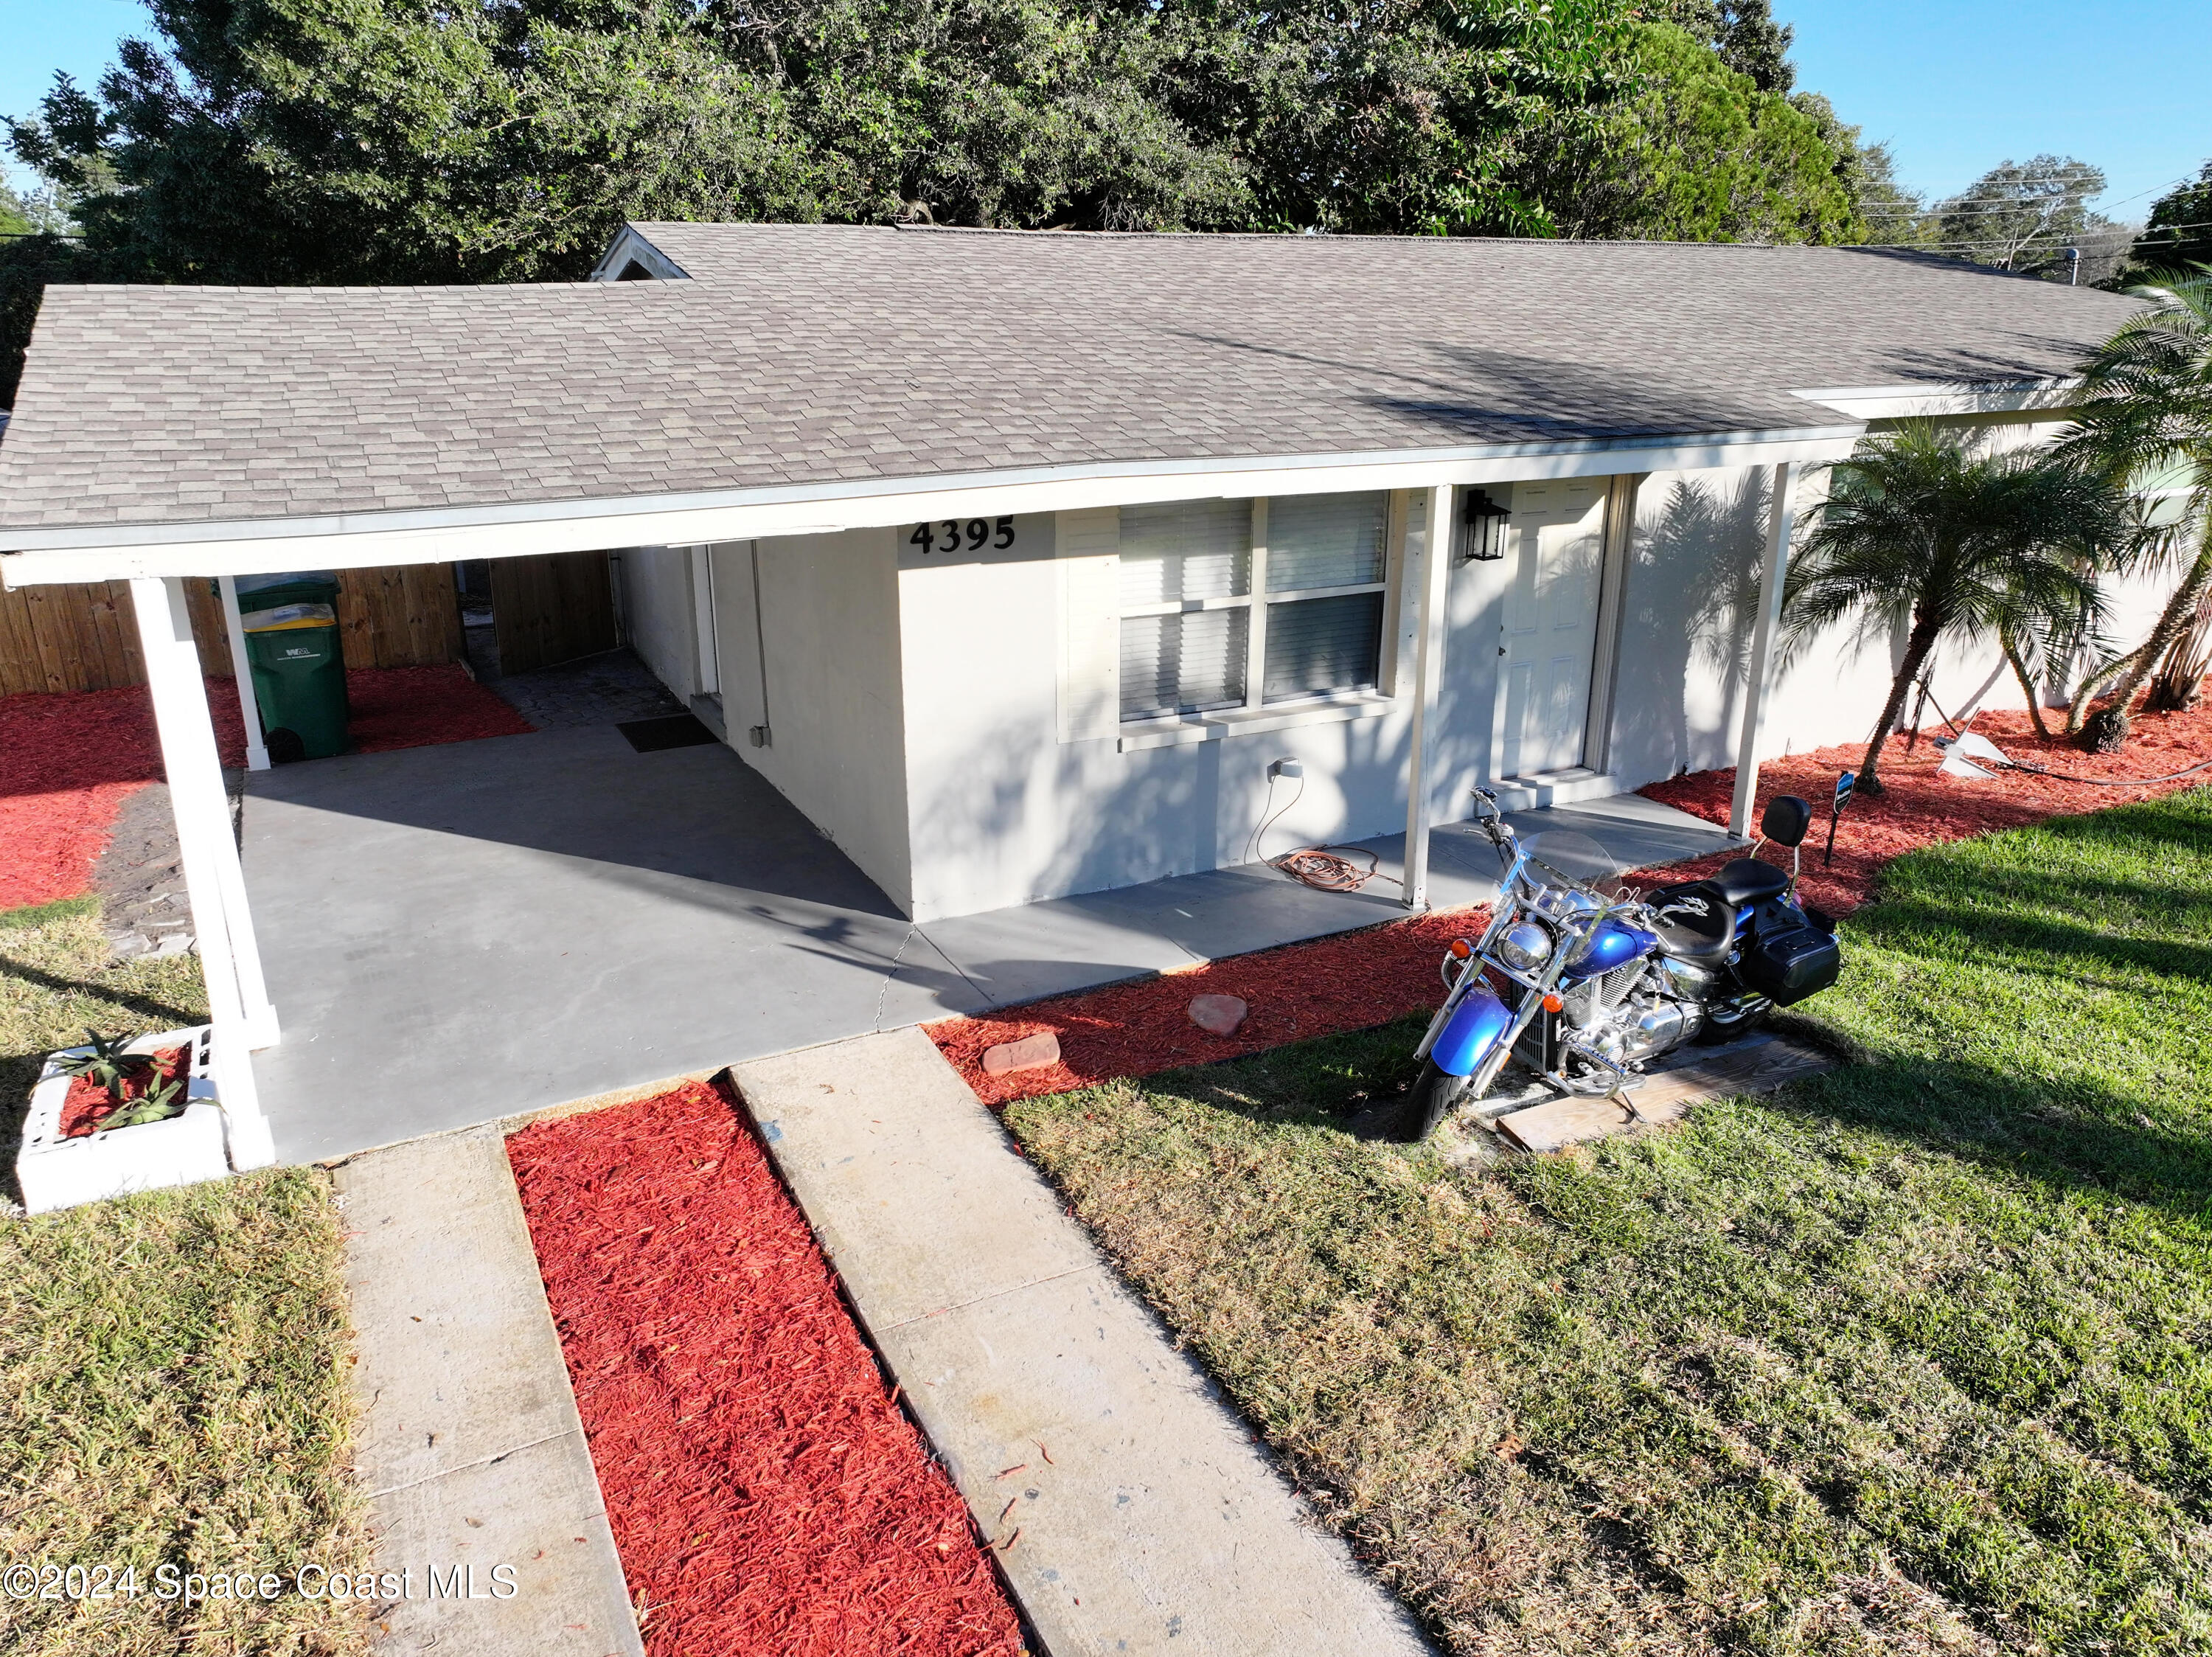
column 1525, row 947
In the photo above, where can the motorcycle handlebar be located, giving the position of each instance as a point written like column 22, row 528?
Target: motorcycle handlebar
column 1492, row 819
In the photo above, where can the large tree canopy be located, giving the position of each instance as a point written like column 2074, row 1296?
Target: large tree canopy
column 282, row 141
column 303, row 140
column 1698, row 152
column 2178, row 235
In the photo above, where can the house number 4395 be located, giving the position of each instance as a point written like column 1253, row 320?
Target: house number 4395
column 950, row 535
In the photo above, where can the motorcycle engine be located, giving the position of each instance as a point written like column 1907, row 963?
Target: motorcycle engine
column 1634, row 1011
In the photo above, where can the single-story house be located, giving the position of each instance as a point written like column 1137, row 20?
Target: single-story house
column 1020, row 562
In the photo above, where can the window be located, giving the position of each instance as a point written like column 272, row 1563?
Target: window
column 1239, row 604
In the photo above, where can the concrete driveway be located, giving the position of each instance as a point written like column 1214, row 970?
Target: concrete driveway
column 459, row 933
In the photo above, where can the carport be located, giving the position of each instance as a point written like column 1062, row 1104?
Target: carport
column 478, row 929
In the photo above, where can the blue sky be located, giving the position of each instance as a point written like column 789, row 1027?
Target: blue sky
column 1955, row 86
column 38, row 37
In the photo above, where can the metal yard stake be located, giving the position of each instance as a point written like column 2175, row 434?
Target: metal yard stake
column 1844, row 785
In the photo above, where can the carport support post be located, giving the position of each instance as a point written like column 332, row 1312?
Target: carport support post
column 1780, row 501
column 1430, row 592
column 257, row 753
column 238, row 999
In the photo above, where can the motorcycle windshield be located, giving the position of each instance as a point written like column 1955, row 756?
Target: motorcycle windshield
column 1563, row 857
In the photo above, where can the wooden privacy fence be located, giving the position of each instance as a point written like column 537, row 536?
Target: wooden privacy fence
column 86, row 637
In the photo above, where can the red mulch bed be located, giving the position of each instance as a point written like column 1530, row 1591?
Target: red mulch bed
column 68, row 761
column 1302, row 990
column 766, row 1493
column 1920, row 806
column 1360, row 979
column 86, row 1103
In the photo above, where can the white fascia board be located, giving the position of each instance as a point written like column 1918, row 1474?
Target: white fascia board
column 1925, row 402
column 362, row 540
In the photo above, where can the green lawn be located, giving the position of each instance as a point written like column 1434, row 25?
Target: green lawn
column 1914, row 1356
column 172, row 1366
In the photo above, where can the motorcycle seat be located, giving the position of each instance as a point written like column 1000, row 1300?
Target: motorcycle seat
column 1748, row 880
column 1694, row 923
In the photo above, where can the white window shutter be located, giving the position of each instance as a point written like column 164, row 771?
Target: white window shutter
column 1089, row 547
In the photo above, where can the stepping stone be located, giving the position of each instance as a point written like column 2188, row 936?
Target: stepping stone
column 1759, row 1065
column 1218, row 1016
column 1029, row 1053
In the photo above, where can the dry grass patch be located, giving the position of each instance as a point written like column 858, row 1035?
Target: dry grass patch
column 172, row 1366
column 1912, row 1357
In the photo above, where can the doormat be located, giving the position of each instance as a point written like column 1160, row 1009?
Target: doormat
column 669, row 731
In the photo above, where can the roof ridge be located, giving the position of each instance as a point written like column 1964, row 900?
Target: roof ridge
column 1408, row 238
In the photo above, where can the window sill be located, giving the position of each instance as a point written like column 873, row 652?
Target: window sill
column 1251, row 722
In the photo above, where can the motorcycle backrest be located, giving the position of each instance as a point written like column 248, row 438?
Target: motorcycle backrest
column 1786, row 819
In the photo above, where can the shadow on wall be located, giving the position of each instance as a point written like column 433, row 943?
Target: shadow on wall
column 1024, row 814
column 1692, row 600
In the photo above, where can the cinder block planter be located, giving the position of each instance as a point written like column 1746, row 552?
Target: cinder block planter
column 57, row 1172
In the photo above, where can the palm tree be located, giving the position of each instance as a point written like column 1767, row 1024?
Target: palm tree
column 1917, row 532
column 2146, row 425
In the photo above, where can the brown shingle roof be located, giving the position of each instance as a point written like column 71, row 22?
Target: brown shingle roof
column 802, row 355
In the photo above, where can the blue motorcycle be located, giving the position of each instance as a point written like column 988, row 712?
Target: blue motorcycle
column 1586, row 988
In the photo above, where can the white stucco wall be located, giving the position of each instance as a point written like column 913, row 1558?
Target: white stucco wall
column 1688, row 600
column 1003, row 811
column 918, row 703
column 657, row 617
column 829, row 620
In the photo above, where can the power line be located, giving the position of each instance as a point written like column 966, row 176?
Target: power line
column 2186, row 178
column 1998, row 203
column 2023, row 243
column 2020, row 205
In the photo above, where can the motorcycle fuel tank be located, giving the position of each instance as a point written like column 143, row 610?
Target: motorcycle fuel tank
column 1616, row 943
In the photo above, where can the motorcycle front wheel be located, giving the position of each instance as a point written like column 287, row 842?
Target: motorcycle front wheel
column 1427, row 1102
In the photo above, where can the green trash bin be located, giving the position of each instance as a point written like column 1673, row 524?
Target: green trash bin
column 299, row 670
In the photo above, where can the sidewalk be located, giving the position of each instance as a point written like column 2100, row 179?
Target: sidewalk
column 471, row 1451
column 1129, row 1506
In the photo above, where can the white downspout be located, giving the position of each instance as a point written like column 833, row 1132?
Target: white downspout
column 1430, row 589
column 229, row 964
column 1782, row 499
column 257, row 753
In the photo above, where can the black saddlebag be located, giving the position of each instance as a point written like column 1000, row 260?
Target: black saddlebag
column 1788, row 964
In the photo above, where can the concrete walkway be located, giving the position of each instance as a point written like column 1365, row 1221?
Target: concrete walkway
column 470, row 1449
column 1131, row 1510
column 556, row 916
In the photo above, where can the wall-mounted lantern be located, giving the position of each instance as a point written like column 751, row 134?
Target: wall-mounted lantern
column 1482, row 532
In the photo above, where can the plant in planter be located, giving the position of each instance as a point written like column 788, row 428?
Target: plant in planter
column 120, row 1116
column 136, row 1087
column 104, row 1061
column 164, row 1098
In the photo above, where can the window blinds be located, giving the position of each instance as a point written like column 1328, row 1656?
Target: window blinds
column 1187, row 570
column 1186, row 662
column 1185, row 550
column 1318, row 645
column 1326, row 541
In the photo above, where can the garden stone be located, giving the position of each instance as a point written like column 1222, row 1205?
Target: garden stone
column 1218, row 1016
column 1029, row 1053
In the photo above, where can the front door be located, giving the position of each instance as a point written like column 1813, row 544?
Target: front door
column 1550, row 624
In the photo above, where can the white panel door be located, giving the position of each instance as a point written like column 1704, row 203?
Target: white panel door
column 1550, row 624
